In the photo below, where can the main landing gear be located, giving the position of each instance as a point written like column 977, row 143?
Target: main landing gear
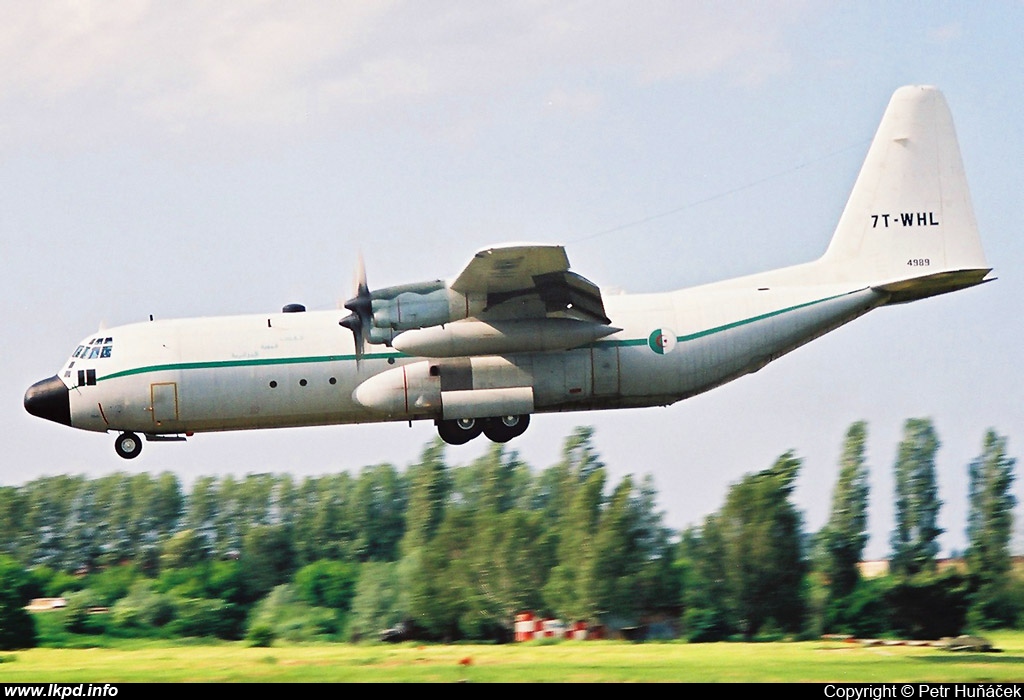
column 128, row 445
column 462, row 430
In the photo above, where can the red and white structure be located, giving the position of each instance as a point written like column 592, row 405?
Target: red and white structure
column 529, row 627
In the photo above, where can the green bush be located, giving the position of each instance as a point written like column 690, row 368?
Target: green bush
column 864, row 612
column 76, row 615
column 110, row 585
column 211, row 579
column 207, row 617
column 994, row 605
column 51, row 583
column 261, row 635
column 293, row 620
column 704, row 625
column 143, row 608
column 929, row 605
column 328, row 584
column 378, row 603
column 17, row 628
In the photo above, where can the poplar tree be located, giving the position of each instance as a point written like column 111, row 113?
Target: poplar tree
column 430, row 485
column 843, row 538
column 914, row 539
column 572, row 589
column 989, row 528
column 488, row 559
column 422, row 569
column 746, row 566
column 379, row 504
column 763, row 535
column 571, row 495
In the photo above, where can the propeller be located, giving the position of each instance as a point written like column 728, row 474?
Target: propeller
column 361, row 307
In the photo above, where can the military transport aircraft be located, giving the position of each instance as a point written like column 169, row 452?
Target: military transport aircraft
column 517, row 332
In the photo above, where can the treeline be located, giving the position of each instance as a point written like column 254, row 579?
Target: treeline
column 447, row 553
column 749, row 569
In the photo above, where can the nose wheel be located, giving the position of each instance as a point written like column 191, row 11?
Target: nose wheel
column 128, row 445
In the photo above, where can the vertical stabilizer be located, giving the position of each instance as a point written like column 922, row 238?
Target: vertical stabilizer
column 909, row 227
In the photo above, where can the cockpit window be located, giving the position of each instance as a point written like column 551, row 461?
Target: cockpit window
column 97, row 348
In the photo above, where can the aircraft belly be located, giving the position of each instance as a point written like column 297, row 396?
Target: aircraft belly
column 749, row 347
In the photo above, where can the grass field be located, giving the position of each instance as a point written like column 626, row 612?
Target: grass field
column 821, row 661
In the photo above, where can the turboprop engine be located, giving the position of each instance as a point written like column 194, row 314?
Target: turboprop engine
column 378, row 316
column 419, row 306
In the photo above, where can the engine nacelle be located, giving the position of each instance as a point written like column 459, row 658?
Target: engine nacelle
column 419, row 308
column 380, row 336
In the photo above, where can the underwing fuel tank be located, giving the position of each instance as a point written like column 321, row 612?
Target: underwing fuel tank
column 460, row 388
column 467, row 338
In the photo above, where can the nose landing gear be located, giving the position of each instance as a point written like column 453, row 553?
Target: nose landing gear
column 128, row 445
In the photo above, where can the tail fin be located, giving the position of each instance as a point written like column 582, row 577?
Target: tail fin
column 908, row 227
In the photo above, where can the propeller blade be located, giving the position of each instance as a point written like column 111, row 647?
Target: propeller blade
column 361, row 306
column 354, row 324
column 362, row 288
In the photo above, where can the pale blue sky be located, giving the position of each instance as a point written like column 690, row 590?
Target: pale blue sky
column 194, row 158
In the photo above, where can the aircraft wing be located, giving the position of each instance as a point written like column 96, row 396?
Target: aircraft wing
column 530, row 281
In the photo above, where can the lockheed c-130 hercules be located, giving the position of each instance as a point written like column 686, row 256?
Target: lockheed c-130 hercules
column 517, row 332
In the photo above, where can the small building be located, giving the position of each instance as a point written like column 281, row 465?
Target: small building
column 44, row 604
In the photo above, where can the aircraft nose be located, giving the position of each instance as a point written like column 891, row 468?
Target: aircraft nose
column 49, row 399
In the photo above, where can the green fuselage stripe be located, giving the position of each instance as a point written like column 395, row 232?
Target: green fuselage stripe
column 725, row 327
column 220, row 364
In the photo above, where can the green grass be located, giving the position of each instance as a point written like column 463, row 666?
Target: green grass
column 592, row 662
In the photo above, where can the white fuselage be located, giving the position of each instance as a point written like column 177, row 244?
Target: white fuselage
column 300, row 369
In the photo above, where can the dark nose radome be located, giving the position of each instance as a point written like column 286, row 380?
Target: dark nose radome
column 49, row 399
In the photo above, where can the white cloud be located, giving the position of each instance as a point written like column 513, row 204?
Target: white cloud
column 173, row 66
column 579, row 101
column 946, row 34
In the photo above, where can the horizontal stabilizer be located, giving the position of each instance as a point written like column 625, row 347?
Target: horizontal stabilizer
column 922, row 287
